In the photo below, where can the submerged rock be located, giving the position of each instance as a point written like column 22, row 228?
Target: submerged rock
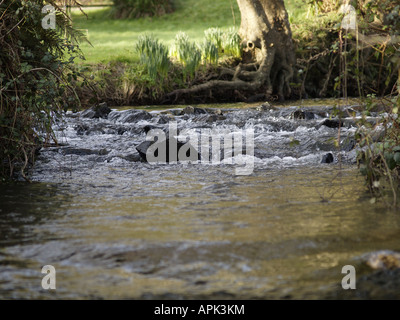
column 173, row 112
column 384, row 260
column 164, row 119
column 348, row 144
column 129, row 116
column 166, row 142
column 99, row 111
column 383, row 282
column 266, row 107
column 133, row 157
column 99, row 128
column 81, row 129
column 328, row 158
column 190, row 155
column 302, row 115
column 194, row 110
column 332, row 123
column 83, row 151
column 208, row 118
column 214, row 111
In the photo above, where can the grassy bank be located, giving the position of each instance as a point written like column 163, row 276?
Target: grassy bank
column 114, row 39
column 114, row 64
column 319, row 72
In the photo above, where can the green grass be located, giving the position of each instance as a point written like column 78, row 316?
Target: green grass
column 297, row 10
column 115, row 39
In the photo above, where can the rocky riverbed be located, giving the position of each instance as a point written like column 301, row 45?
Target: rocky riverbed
column 117, row 227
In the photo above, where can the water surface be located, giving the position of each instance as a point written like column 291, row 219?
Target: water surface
column 116, row 228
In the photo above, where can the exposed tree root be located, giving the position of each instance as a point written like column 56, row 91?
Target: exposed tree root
column 268, row 55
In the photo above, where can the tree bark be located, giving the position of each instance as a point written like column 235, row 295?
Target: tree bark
column 268, row 53
column 267, row 40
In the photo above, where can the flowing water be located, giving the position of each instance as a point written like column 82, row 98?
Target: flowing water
column 118, row 228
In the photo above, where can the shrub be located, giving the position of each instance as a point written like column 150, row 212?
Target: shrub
column 34, row 77
column 379, row 160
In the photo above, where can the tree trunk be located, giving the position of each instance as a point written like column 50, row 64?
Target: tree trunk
column 267, row 41
column 268, row 53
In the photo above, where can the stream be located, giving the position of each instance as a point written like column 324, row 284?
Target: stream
column 115, row 227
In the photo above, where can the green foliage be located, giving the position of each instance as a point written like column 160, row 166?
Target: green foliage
column 322, row 6
column 114, row 37
column 379, row 160
column 335, row 62
column 215, row 36
column 330, row 58
column 232, row 43
column 121, row 83
column 188, row 53
column 124, row 81
column 34, row 76
column 215, row 44
column 180, row 41
column 154, row 55
column 210, row 52
column 386, row 11
column 141, row 8
column 227, row 43
column 379, row 156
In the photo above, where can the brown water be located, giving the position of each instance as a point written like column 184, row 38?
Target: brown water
column 123, row 230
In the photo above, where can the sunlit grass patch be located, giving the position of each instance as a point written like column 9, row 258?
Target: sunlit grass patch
column 112, row 38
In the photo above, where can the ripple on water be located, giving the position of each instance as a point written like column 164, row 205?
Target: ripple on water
column 117, row 228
